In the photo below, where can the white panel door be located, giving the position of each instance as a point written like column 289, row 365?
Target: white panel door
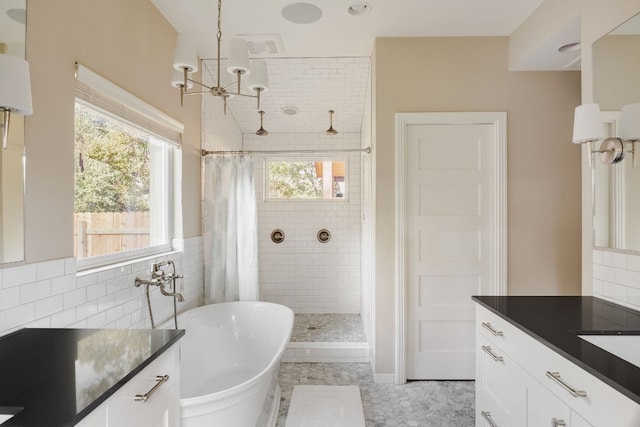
column 449, row 191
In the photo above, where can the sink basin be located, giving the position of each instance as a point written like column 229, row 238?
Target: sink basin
column 626, row 347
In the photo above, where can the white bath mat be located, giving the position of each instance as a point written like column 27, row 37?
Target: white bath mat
column 325, row 406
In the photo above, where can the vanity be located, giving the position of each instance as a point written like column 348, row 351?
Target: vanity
column 90, row 377
column 541, row 361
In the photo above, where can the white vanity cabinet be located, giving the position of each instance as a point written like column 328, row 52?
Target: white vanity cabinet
column 500, row 392
column 522, row 382
column 160, row 382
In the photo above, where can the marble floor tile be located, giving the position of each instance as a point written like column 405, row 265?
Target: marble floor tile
column 417, row 403
column 327, row 328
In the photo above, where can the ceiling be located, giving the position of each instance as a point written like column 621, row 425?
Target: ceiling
column 325, row 65
column 12, row 31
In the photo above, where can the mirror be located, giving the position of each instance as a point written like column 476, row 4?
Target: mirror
column 12, row 160
column 616, row 192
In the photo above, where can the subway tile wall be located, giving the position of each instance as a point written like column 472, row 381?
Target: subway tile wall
column 53, row 294
column 302, row 273
column 616, row 277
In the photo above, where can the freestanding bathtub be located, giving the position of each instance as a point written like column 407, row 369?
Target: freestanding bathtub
column 230, row 357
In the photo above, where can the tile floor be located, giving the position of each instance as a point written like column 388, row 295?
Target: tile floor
column 327, row 328
column 417, row 403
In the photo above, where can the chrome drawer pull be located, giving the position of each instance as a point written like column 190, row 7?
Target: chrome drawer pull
column 557, row 423
column 494, row 356
column 555, row 376
column 160, row 379
column 487, row 416
column 488, row 327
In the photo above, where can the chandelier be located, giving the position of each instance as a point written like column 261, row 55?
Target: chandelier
column 238, row 65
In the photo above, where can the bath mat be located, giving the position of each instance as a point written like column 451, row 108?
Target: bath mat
column 325, row 406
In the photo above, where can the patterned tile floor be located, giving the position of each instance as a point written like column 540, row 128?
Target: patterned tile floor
column 327, row 328
column 417, row 403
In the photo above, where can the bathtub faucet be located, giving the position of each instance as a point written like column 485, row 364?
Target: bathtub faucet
column 160, row 277
column 164, row 292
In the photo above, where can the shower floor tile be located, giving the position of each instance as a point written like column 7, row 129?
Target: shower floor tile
column 417, row 403
column 328, row 328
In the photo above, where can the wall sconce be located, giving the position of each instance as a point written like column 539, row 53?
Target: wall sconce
column 15, row 91
column 589, row 128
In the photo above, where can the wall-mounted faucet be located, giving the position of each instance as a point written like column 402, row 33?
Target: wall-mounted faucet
column 160, row 277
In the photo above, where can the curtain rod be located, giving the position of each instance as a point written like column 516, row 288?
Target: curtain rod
column 343, row 150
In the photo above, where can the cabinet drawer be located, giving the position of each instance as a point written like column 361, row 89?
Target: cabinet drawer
column 495, row 329
column 500, row 386
column 161, row 407
column 584, row 393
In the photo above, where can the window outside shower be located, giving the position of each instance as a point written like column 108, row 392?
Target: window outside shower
column 306, row 179
column 122, row 181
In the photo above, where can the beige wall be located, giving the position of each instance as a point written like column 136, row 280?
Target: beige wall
column 471, row 74
column 126, row 41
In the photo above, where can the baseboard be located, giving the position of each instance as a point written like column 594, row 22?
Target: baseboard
column 384, row 378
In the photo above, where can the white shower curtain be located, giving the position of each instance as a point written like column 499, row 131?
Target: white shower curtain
column 230, row 230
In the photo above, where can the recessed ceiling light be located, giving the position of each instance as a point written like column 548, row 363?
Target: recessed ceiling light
column 357, row 8
column 570, row 47
column 290, row 110
column 18, row 15
column 301, row 13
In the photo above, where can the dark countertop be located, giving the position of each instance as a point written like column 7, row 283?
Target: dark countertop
column 556, row 321
column 55, row 377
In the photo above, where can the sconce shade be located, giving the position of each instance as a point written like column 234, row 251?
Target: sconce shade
column 186, row 55
column 238, row 57
column 15, row 85
column 177, row 79
column 587, row 124
column 630, row 122
column 259, row 79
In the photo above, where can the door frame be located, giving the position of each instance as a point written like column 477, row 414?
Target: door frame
column 498, row 120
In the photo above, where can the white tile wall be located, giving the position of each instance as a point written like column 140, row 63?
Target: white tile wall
column 53, row 294
column 616, row 277
column 367, row 297
column 327, row 352
column 302, row 273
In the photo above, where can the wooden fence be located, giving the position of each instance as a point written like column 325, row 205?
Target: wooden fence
column 100, row 233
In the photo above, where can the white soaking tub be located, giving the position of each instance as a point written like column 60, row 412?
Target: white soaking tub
column 230, row 357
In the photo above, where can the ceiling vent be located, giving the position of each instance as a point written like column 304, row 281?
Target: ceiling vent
column 263, row 44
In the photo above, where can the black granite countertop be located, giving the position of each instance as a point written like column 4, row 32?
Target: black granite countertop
column 556, row 323
column 55, row 377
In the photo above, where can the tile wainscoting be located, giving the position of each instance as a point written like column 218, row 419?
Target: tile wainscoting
column 52, row 294
column 616, row 277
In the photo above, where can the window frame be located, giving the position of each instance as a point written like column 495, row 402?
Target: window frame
column 166, row 134
column 306, row 158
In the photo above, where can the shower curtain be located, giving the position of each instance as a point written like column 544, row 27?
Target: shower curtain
column 230, row 230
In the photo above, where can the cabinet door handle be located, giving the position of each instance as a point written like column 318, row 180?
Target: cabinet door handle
column 488, row 327
column 487, row 416
column 160, row 379
column 555, row 376
column 494, row 356
column 557, row 423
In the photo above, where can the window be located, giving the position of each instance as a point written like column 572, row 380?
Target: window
column 306, row 179
column 124, row 177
